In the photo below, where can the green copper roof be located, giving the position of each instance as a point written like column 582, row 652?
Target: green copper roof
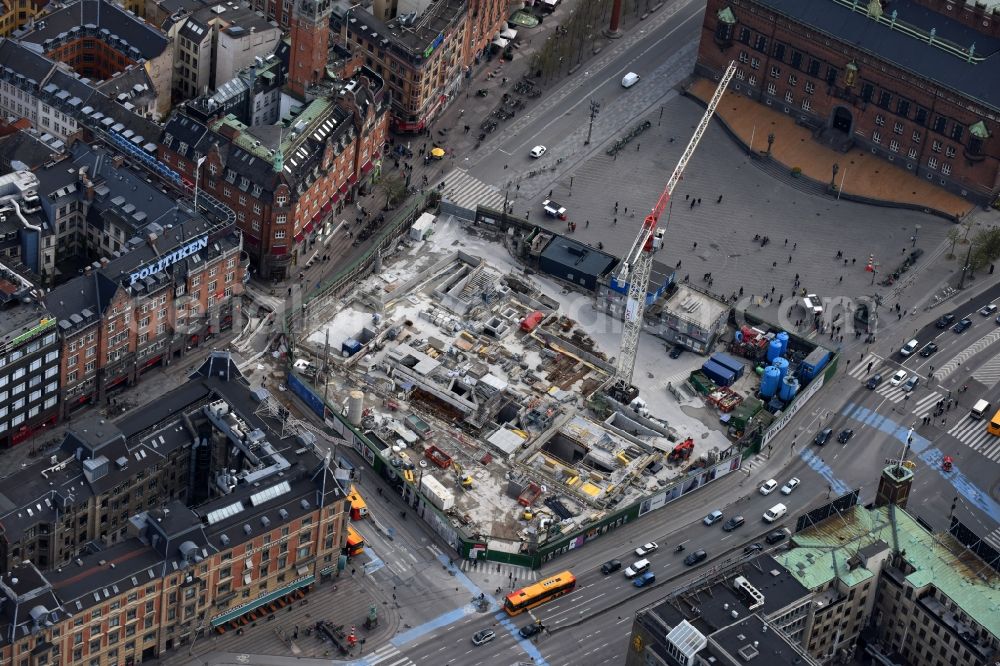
column 822, row 552
column 979, row 130
column 726, row 16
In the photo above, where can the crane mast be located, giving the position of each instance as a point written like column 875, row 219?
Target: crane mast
column 638, row 263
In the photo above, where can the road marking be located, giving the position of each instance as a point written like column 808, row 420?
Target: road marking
column 970, row 351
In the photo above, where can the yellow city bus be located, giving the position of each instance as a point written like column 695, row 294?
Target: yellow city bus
column 359, row 509
column 355, row 543
column 528, row 597
column 993, row 427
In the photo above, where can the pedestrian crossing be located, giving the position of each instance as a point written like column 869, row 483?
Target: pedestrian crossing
column 861, row 371
column 466, row 191
column 895, row 394
column 970, row 351
column 508, row 572
column 988, row 374
column 993, row 538
column 972, row 433
column 388, row 655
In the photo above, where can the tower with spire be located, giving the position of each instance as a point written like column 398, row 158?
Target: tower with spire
column 310, row 44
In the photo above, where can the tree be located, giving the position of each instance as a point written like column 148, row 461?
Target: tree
column 395, row 190
column 967, row 225
column 985, row 248
column 954, row 235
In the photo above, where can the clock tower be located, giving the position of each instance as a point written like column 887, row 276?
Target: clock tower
column 310, row 44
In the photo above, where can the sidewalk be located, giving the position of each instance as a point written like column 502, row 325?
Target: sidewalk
column 863, row 173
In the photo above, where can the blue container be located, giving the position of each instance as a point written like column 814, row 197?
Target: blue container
column 774, row 350
column 789, row 387
column 718, row 374
column 783, row 339
column 782, row 365
column 769, row 382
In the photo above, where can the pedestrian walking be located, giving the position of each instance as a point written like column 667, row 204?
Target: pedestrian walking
column 637, row 147
column 550, row 194
column 786, row 242
column 686, row 197
column 693, row 201
column 720, row 199
column 794, row 245
column 699, row 201
column 853, row 261
column 741, row 291
column 789, row 258
column 586, row 224
column 841, row 279
column 616, row 206
column 781, row 297
column 774, row 264
column 695, row 246
column 615, row 221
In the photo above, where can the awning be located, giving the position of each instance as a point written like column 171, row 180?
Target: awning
column 353, row 179
column 261, row 601
column 501, row 42
column 327, row 207
column 508, row 33
column 367, row 167
column 299, row 236
column 336, row 198
column 343, row 188
column 279, row 249
column 309, row 227
column 303, row 570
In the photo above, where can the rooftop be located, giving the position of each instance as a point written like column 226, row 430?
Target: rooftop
column 912, row 37
column 835, row 549
column 750, row 638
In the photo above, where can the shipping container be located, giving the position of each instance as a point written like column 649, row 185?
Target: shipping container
column 727, row 361
column 435, row 493
column 718, row 374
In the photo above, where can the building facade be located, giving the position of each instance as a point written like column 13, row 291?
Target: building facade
column 918, row 88
column 284, row 182
column 180, row 554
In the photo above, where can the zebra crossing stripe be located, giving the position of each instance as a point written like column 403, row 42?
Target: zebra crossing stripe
column 988, row 373
column 926, row 404
column 970, row 351
column 993, row 538
column 861, row 369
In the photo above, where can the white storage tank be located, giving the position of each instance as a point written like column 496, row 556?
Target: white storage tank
column 355, row 407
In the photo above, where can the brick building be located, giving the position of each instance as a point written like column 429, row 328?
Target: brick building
column 913, row 81
column 146, row 308
column 284, row 181
column 149, row 537
column 423, row 55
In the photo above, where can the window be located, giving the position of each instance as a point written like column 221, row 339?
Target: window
column 939, row 124
column 932, row 162
column 793, row 80
column 949, row 151
column 894, row 146
column 912, row 153
column 754, row 63
column 760, row 43
column 916, row 136
column 779, row 52
column 921, row 116
column 884, row 99
column 810, row 87
column 775, row 71
column 946, row 169
column 280, row 219
column 936, row 146
column 279, row 234
column 876, row 137
column 880, row 120
column 752, row 81
column 281, row 200
column 897, row 128
column 789, row 98
column 256, row 207
column 903, row 107
column 831, row 75
column 771, row 89
column 745, row 35
column 744, row 58
column 956, row 132
column 740, row 74
column 867, row 92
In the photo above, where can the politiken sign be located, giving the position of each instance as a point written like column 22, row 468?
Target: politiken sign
column 170, row 259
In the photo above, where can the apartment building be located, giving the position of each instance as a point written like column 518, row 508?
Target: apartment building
column 237, row 543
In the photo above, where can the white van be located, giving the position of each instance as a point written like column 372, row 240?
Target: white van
column 909, row 348
column 775, row 512
column 637, row 568
column 813, row 304
column 980, row 409
column 630, row 80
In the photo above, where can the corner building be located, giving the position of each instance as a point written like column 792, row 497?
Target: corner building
column 915, row 82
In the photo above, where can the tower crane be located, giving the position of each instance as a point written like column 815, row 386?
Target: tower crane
column 636, row 266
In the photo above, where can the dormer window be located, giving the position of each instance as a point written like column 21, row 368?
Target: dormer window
column 281, row 200
column 257, row 190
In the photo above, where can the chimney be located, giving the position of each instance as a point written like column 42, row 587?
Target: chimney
column 151, row 239
column 118, row 160
column 104, row 262
column 87, row 270
column 228, row 131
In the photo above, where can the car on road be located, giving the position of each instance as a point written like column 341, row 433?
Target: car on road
column 909, row 348
column 645, row 579
column 911, row 383
column 775, row 536
column 712, row 518
column 928, row 349
column 482, row 637
column 792, row 484
column 630, row 80
column 676, row 351
column 962, row 325
column 733, row 523
column 823, row 436
column 754, row 547
column 637, row 568
column 768, row 487
column 529, row 630
column 845, row 435
column 646, row 549
column 695, row 557
column 538, row 151
column 873, row 382
column 988, row 310
column 552, row 209
column 944, row 321
column 610, row 567
column 898, row 378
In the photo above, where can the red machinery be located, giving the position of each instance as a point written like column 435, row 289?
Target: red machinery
column 682, row 451
column 530, row 494
column 437, row 456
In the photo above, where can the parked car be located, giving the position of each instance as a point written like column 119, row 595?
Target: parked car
column 695, row 557
column 529, row 630
column 988, row 310
column 610, row 567
column 823, row 436
column 537, row 151
column 712, row 518
column 873, row 382
column 637, row 568
column 898, row 378
column 733, row 523
column 645, row 579
column 753, row 548
column 911, row 383
column 792, row 484
column 845, row 435
column 484, row 636
column 768, row 487
column 646, row 549
column 552, row 209
column 676, row 351
column 928, row 349
column 775, row 537
column 944, row 321
column 962, row 325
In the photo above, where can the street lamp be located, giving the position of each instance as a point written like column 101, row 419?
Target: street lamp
column 770, row 142
column 916, row 233
column 833, row 178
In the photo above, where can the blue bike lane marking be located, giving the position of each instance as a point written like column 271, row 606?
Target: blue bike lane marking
column 924, row 449
column 452, row 616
